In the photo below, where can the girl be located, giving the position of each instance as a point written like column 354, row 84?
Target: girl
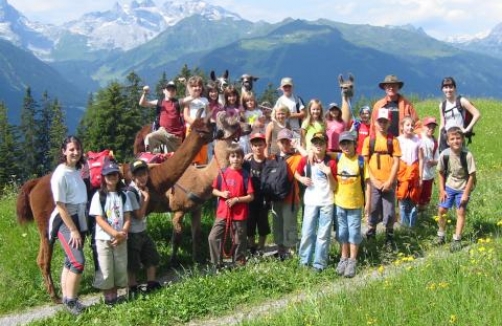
column 112, row 210
column 192, row 104
column 313, row 123
column 254, row 117
column 409, row 176
column 362, row 127
column 212, row 96
column 280, row 120
column 453, row 116
column 68, row 222
column 232, row 105
column 334, row 127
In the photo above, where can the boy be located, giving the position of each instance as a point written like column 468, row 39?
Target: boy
column 233, row 199
column 429, row 146
column 141, row 250
column 457, row 178
column 169, row 124
column 320, row 182
column 362, row 127
column 284, row 212
column 292, row 102
column 382, row 155
column 258, row 208
column 353, row 182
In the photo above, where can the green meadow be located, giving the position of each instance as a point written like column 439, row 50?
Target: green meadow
column 418, row 284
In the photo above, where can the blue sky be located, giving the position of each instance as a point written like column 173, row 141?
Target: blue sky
column 439, row 18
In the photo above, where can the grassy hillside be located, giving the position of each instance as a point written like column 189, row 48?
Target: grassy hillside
column 445, row 289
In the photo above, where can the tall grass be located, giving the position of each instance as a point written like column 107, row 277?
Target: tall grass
column 401, row 298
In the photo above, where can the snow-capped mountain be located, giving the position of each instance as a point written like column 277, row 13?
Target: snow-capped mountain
column 121, row 28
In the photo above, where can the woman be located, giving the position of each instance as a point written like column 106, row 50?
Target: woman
column 68, row 221
column 452, row 114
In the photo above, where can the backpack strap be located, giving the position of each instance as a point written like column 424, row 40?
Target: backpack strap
column 446, row 161
column 390, row 148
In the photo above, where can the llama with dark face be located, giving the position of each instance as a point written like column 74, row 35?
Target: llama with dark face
column 247, row 82
column 222, row 83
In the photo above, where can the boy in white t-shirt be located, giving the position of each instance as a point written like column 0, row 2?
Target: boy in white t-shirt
column 429, row 146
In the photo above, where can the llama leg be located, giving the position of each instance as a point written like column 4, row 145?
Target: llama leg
column 197, row 236
column 177, row 220
column 44, row 263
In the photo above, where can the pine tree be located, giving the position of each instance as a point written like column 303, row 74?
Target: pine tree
column 29, row 134
column 270, row 95
column 9, row 168
column 140, row 116
column 44, row 137
column 57, row 132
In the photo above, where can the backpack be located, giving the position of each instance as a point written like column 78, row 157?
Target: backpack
column 299, row 102
column 389, row 151
column 158, row 109
column 275, row 182
column 150, row 157
column 94, row 165
column 360, row 161
column 466, row 116
column 446, row 161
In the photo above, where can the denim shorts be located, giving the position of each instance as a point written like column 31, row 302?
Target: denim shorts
column 348, row 223
column 452, row 196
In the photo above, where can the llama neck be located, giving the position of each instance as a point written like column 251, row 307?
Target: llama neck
column 164, row 176
column 347, row 112
column 219, row 160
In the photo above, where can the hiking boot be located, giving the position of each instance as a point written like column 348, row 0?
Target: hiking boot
column 342, row 264
column 371, row 233
column 350, row 268
column 455, row 245
column 390, row 244
column 153, row 286
column 440, row 240
column 75, row 307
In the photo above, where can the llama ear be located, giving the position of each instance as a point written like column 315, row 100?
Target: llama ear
column 212, row 75
column 255, row 78
column 351, row 77
column 225, row 75
column 340, row 79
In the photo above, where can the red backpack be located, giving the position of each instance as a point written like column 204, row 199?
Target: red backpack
column 95, row 162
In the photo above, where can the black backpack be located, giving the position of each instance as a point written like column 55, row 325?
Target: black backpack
column 275, row 183
column 466, row 116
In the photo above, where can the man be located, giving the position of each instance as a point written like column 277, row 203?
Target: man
column 169, row 121
column 398, row 105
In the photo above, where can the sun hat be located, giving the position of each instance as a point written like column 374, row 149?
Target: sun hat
column 391, row 79
column 285, row 134
column 347, row 135
column 429, row 120
column 383, row 113
column 256, row 135
column 137, row 165
column 109, row 168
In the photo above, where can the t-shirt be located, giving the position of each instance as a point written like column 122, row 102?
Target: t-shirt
column 362, row 133
column 382, row 174
column 452, row 116
column 255, row 169
column 349, row 193
column 114, row 212
column 320, row 192
column 427, row 145
column 170, row 118
column 409, row 148
column 292, row 160
column 457, row 178
column 333, row 130
column 394, row 118
column 233, row 180
column 310, row 130
column 68, row 187
column 137, row 225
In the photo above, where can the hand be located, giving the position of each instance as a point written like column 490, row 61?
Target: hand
column 75, row 239
column 442, row 196
column 325, row 168
column 386, row 186
column 146, row 89
column 232, row 201
column 463, row 201
column 306, row 181
column 225, row 194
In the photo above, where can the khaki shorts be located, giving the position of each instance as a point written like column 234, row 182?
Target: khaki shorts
column 112, row 269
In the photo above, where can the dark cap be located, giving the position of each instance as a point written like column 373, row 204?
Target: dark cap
column 110, row 167
column 137, row 165
column 319, row 136
column 170, row 84
column 347, row 135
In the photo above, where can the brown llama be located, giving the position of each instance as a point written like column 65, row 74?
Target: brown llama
column 35, row 202
column 347, row 90
column 194, row 188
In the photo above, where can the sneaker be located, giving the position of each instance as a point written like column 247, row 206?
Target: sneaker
column 318, row 270
column 153, row 286
column 133, row 292
column 456, row 245
column 350, row 268
column 440, row 240
column 342, row 264
column 371, row 233
column 75, row 307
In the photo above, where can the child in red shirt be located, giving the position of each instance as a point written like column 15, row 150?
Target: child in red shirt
column 234, row 190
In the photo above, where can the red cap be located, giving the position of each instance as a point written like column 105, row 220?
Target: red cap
column 257, row 135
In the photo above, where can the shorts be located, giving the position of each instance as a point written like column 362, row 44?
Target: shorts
column 258, row 218
column 453, row 196
column 426, row 193
column 112, row 271
column 141, row 251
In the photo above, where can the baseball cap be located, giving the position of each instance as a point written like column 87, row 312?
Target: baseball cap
column 347, row 135
column 383, row 113
column 287, row 81
column 319, row 136
column 333, row 105
column 137, row 165
column 257, row 135
column 170, row 84
column 109, row 168
column 285, row 134
column 364, row 108
column 429, row 120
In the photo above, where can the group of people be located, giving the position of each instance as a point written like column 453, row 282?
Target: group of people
column 339, row 171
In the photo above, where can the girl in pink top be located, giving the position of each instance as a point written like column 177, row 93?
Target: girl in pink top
column 334, row 127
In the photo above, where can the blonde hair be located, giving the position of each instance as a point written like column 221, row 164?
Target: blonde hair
column 281, row 108
column 196, row 81
column 308, row 115
column 246, row 96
